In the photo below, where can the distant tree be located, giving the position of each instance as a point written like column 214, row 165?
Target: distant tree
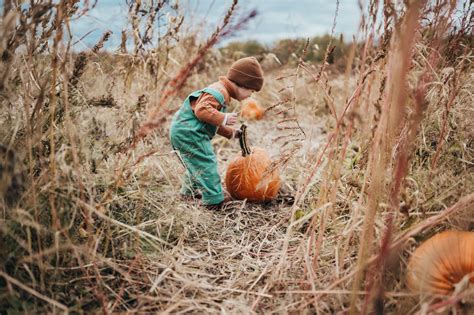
column 285, row 48
column 288, row 50
column 243, row 49
column 316, row 50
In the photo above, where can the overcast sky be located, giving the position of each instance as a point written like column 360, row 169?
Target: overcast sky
column 276, row 19
column 285, row 18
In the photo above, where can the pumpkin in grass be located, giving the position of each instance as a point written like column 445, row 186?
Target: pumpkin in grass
column 441, row 262
column 251, row 109
column 247, row 176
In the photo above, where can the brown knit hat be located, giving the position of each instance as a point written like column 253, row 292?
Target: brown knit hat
column 246, row 72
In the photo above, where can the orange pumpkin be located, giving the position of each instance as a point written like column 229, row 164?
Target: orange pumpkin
column 251, row 109
column 441, row 262
column 247, row 176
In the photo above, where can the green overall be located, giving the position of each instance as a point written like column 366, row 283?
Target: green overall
column 192, row 139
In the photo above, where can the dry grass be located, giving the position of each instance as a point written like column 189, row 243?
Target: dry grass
column 373, row 160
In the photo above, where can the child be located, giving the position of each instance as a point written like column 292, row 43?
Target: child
column 201, row 116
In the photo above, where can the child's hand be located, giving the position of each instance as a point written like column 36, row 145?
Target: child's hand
column 230, row 119
column 237, row 133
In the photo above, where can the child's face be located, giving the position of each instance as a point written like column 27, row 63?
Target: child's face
column 243, row 93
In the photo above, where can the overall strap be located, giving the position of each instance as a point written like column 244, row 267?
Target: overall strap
column 195, row 94
column 217, row 95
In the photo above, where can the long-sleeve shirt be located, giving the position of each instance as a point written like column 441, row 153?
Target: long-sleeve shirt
column 207, row 108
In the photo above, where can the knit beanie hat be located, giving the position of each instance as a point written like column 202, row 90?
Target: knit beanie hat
column 246, row 72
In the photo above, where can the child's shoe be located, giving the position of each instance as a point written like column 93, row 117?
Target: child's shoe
column 215, row 207
column 221, row 205
column 190, row 198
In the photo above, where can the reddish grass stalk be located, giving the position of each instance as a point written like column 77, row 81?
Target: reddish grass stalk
column 329, row 48
column 453, row 93
column 387, row 131
column 155, row 117
column 405, row 148
column 53, row 102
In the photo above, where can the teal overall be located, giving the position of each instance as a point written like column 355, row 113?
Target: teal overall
column 192, row 139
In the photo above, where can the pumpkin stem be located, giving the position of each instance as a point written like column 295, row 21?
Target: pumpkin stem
column 243, row 141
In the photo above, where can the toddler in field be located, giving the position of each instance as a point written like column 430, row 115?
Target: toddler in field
column 202, row 115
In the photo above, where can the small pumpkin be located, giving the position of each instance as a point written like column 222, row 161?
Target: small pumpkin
column 251, row 109
column 441, row 262
column 247, row 176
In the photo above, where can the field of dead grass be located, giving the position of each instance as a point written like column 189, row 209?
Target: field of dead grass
column 373, row 161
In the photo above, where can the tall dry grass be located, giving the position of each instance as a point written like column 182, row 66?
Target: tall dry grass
column 90, row 220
